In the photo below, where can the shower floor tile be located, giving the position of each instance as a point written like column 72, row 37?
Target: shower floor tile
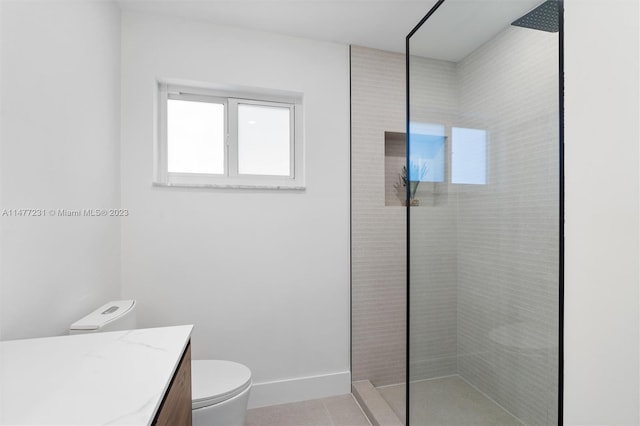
column 342, row 410
column 449, row 401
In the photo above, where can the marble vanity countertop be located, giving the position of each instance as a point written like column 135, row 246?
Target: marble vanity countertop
column 114, row 378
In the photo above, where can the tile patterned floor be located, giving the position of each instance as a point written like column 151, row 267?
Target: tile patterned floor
column 342, row 410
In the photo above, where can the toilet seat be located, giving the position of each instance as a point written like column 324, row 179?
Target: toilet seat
column 215, row 381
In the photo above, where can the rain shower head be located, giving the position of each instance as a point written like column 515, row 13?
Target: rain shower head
column 544, row 17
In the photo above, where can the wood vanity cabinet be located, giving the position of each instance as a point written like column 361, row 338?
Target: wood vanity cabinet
column 175, row 409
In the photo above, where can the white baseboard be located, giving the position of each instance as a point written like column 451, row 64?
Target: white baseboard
column 299, row 389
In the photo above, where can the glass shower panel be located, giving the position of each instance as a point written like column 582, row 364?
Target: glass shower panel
column 484, row 238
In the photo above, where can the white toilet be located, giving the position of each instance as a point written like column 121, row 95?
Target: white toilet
column 220, row 389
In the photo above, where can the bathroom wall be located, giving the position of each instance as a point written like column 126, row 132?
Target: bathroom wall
column 433, row 232
column 379, row 227
column 263, row 274
column 378, row 231
column 602, row 187
column 60, row 150
column 508, row 229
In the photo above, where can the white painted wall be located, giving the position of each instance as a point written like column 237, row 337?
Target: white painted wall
column 263, row 274
column 602, row 376
column 59, row 138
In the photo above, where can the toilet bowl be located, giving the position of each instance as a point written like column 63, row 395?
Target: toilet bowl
column 220, row 389
column 220, row 392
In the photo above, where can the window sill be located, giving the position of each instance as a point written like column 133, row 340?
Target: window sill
column 227, row 186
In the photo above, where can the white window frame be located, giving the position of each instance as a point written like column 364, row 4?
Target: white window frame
column 231, row 98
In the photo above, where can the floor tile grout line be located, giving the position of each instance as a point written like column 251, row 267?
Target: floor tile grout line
column 326, row 409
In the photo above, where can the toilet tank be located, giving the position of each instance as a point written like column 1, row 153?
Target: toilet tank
column 112, row 316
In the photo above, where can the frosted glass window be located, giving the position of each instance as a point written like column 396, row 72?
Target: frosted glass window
column 468, row 156
column 195, row 137
column 427, row 152
column 264, row 140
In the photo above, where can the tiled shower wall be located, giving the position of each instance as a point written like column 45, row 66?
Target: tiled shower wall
column 484, row 258
column 379, row 230
column 433, row 349
column 507, row 266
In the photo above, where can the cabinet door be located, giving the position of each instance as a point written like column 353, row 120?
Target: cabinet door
column 175, row 409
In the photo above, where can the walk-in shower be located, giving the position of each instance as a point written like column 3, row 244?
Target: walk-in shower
column 484, row 150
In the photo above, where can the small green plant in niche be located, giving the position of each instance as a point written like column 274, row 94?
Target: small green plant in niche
column 412, row 179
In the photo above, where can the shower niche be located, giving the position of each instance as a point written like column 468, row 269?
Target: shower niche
column 484, row 244
column 427, row 175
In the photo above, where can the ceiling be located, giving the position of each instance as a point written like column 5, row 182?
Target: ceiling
column 459, row 27
column 380, row 24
